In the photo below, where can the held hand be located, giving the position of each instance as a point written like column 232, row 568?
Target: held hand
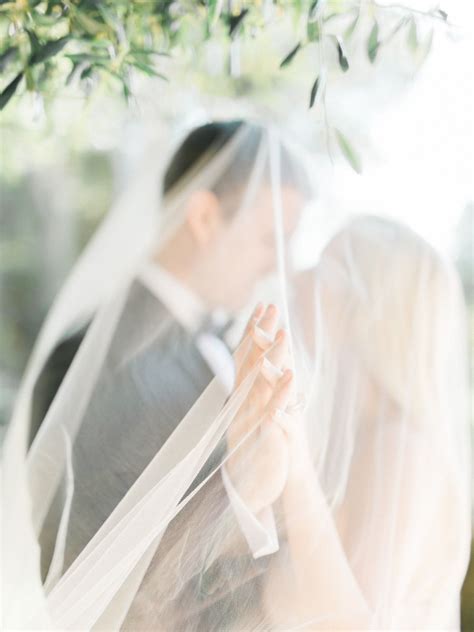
column 258, row 466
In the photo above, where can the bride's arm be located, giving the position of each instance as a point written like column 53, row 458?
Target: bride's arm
column 317, row 558
column 316, row 580
column 418, row 545
column 319, row 563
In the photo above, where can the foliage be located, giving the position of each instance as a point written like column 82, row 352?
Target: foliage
column 48, row 44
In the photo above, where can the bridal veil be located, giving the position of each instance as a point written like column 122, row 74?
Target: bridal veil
column 377, row 338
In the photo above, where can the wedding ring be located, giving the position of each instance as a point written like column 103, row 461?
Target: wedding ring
column 297, row 404
column 282, row 418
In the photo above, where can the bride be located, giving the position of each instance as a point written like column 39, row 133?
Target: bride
column 372, row 486
column 367, row 479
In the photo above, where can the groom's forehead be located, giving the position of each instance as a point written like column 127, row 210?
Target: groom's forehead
column 269, row 207
column 268, row 196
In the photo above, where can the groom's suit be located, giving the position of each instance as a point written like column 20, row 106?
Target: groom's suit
column 154, row 371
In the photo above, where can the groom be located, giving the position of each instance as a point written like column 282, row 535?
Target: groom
column 170, row 339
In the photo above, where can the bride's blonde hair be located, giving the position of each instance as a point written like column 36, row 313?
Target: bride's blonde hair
column 406, row 310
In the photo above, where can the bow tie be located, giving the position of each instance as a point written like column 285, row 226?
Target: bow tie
column 215, row 326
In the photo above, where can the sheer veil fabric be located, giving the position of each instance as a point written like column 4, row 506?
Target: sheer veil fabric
column 122, row 513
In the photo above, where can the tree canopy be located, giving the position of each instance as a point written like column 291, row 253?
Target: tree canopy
column 47, row 44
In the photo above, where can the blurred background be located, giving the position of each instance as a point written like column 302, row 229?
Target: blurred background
column 407, row 118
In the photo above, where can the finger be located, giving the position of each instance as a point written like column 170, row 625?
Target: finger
column 244, row 361
column 257, row 314
column 264, row 330
column 249, row 415
column 276, row 415
column 260, row 392
column 270, row 372
column 258, row 397
column 277, row 355
column 281, row 395
column 246, row 358
column 261, row 333
column 276, row 359
column 263, row 401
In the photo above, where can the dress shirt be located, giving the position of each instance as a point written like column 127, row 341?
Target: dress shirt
column 259, row 530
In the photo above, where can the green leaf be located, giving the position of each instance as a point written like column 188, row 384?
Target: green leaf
column 290, row 55
column 34, row 41
column 44, row 20
column 412, row 38
column 109, row 17
column 343, row 63
column 427, row 46
column 235, row 21
column 313, row 10
column 127, row 93
column 149, row 51
column 351, row 28
column 78, row 58
column 331, row 16
column 214, row 8
column 10, row 90
column 7, row 56
column 148, row 70
column 101, row 44
column 50, row 49
column 373, row 42
column 348, row 152
column 314, row 92
column 88, row 24
column 87, row 72
column 71, row 76
column 313, row 31
column 405, row 20
column 30, row 80
column 53, row 4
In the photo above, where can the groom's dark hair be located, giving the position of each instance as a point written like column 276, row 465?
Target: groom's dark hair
column 204, row 142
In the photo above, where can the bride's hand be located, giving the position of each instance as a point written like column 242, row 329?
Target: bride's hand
column 257, row 339
column 258, row 467
column 288, row 415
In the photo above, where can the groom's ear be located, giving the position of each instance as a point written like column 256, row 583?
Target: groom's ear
column 203, row 217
